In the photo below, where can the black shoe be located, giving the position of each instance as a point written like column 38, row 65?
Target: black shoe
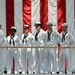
column 33, row 72
column 50, row 72
column 27, row 72
column 57, row 72
column 20, row 72
column 65, row 72
column 5, row 72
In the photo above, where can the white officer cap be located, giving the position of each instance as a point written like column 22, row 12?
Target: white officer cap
column 37, row 24
column 64, row 24
column 26, row 26
column 13, row 28
column 49, row 23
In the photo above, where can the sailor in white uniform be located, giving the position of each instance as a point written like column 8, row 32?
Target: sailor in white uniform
column 13, row 40
column 27, row 40
column 73, row 55
column 2, row 51
column 51, row 40
column 65, row 39
column 39, row 52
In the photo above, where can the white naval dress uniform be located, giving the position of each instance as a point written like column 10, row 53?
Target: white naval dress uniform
column 27, row 40
column 51, row 40
column 2, row 51
column 73, row 56
column 39, row 52
column 65, row 39
column 13, row 53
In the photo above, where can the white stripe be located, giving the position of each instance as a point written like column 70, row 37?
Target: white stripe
column 70, row 14
column 52, row 12
column 35, row 12
column 18, row 16
column 3, row 15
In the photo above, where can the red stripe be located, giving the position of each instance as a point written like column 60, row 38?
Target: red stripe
column 61, row 13
column 44, row 13
column 27, row 13
column 9, row 15
column 9, row 18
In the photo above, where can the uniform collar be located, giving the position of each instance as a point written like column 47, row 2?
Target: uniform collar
column 38, row 30
column 64, row 32
column 50, row 30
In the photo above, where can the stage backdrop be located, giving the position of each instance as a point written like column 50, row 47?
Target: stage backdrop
column 20, row 12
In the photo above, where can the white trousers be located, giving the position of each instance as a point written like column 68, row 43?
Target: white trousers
column 40, row 60
column 65, row 55
column 72, row 59
column 51, row 63
column 2, row 57
column 27, row 55
column 13, row 54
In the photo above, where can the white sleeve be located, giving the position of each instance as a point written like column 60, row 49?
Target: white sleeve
column 21, row 39
column 2, row 39
column 42, row 39
column 71, row 39
column 7, row 42
column 32, row 39
column 57, row 37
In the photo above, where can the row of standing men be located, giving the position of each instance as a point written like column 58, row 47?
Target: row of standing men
column 40, row 60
